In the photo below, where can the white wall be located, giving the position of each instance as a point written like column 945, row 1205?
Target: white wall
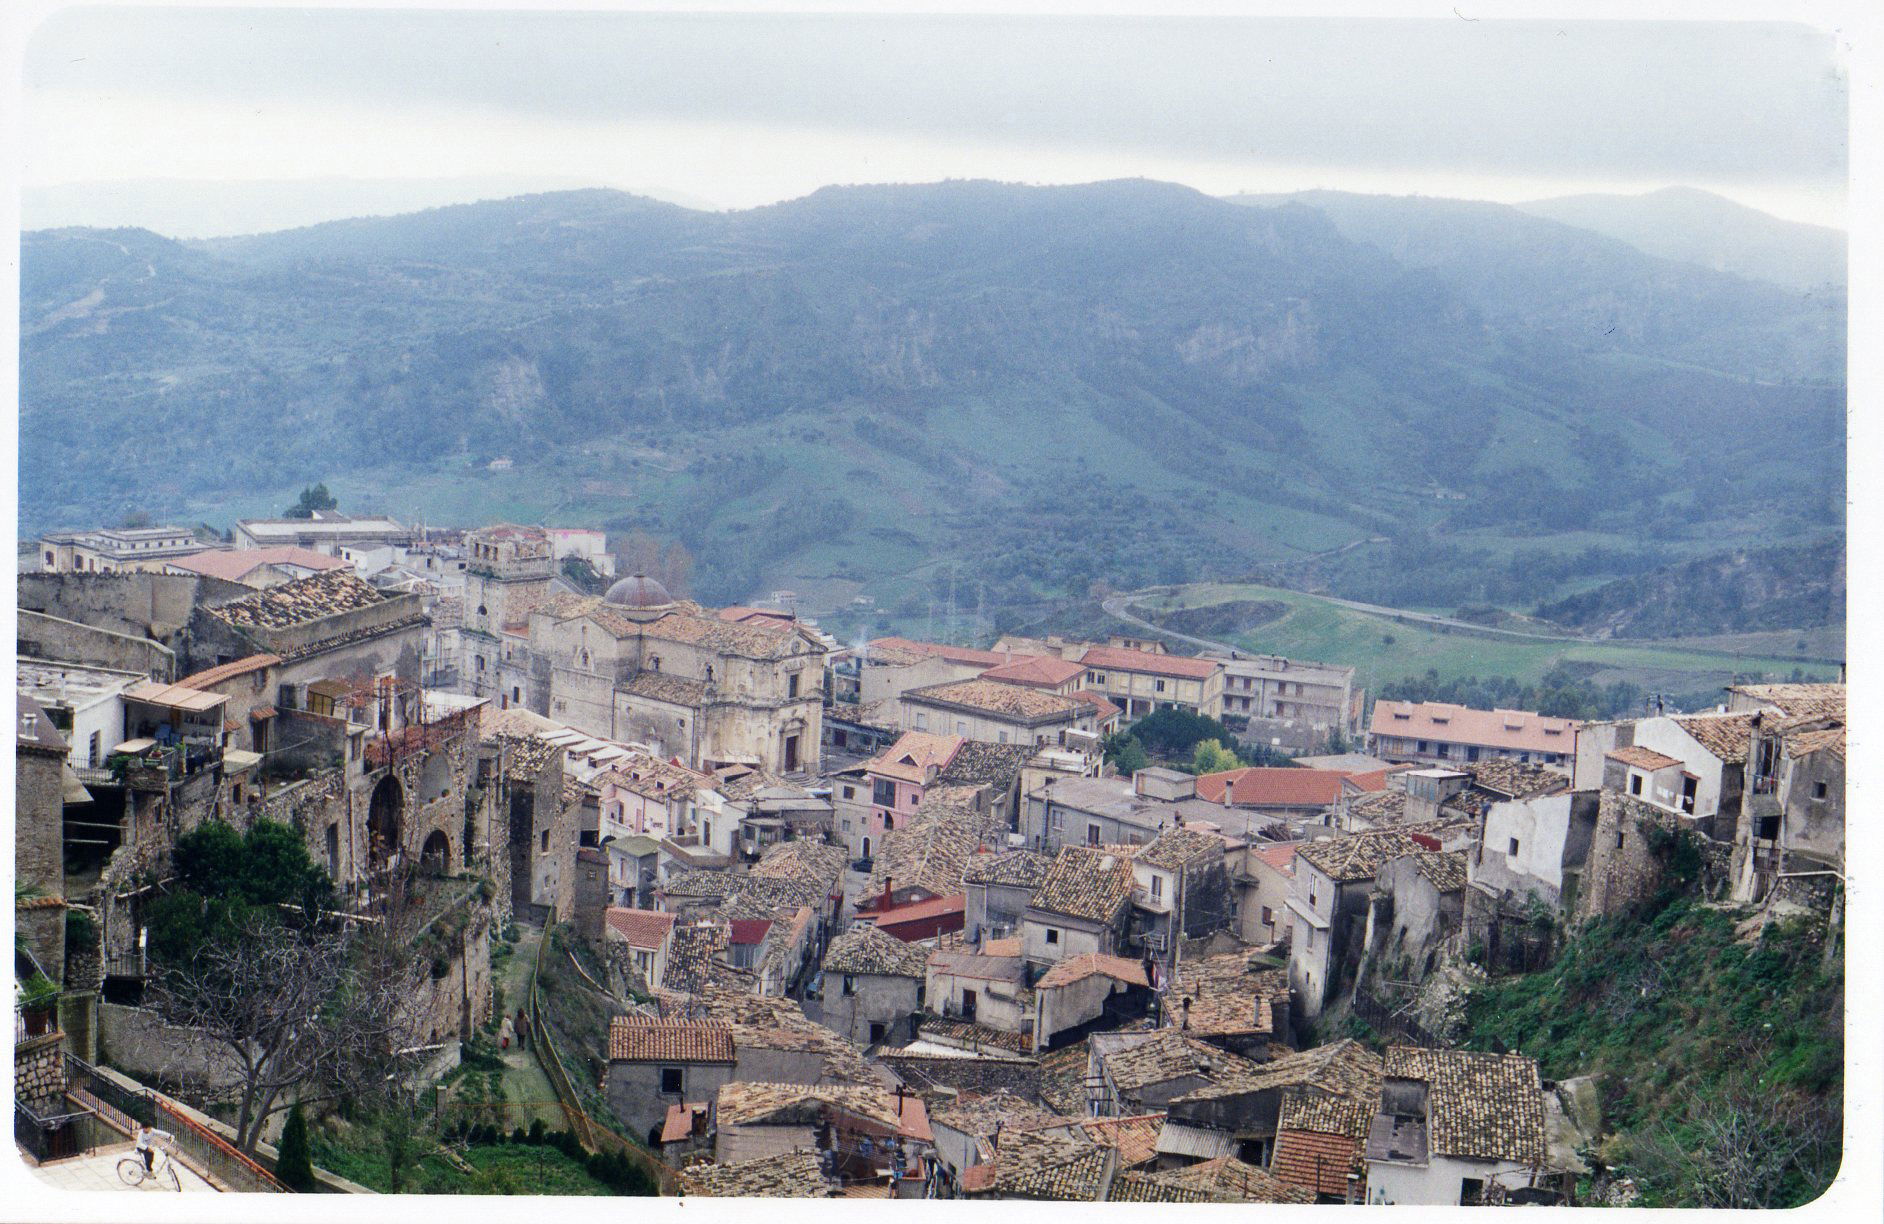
column 1437, row 1183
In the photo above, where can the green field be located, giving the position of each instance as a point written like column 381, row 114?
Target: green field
column 1382, row 649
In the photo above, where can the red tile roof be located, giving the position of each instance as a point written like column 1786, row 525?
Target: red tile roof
column 750, row 930
column 1101, row 708
column 1273, row 786
column 641, row 928
column 1317, row 1162
column 233, row 565
column 1641, row 758
column 644, row 1039
column 917, row 910
column 1112, row 658
column 1079, row 968
column 212, row 676
column 954, row 654
column 1280, row 855
column 913, row 752
column 1518, row 730
column 1036, row 671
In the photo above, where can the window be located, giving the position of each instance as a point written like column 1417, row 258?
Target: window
column 1053, row 935
column 1157, row 886
column 1056, row 818
column 850, row 792
column 673, row 1081
column 791, row 685
column 922, row 721
column 883, row 792
column 1514, row 847
column 1619, row 837
column 92, row 760
column 546, row 841
column 1098, row 677
column 1003, row 740
column 1421, row 748
column 1092, row 835
column 1635, row 784
column 516, row 694
column 1818, row 788
column 1158, row 686
column 654, row 662
column 1269, row 916
column 850, row 986
column 961, row 728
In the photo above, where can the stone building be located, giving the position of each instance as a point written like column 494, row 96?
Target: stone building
column 1141, row 681
column 638, row 665
column 1455, row 1128
column 113, row 550
column 39, row 835
column 656, row 1064
column 1083, row 905
column 508, row 572
column 873, row 986
column 995, row 713
column 1446, row 734
column 1328, row 903
column 1291, row 704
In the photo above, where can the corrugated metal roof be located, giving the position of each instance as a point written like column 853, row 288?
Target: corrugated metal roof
column 175, row 697
column 1176, row 1139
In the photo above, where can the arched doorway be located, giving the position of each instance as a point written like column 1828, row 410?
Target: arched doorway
column 435, row 855
column 382, row 823
column 866, row 847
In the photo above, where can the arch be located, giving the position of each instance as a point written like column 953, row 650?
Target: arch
column 435, row 856
column 382, row 822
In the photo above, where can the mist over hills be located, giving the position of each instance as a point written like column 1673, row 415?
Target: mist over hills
column 1037, row 387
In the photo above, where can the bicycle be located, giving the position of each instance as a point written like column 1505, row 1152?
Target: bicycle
column 131, row 1170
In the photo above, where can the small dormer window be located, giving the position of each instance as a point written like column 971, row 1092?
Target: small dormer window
column 654, row 662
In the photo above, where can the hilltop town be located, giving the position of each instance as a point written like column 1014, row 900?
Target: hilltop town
column 583, row 887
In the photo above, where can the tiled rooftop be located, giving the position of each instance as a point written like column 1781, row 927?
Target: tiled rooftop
column 863, row 949
column 1516, row 780
column 1085, row 883
column 300, row 601
column 1011, row 701
column 1020, row 868
column 1109, row 658
column 645, row 1039
column 1343, row 1068
column 1727, row 736
column 1174, row 849
column 1798, row 700
column 1042, row 1165
column 1479, row 1106
column 792, row 1174
column 913, row 753
column 1227, row 1179
column 1518, row 730
column 1360, row 857
column 1445, row 870
column 1642, row 758
column 1093, row 964
column 1168, row 1055
column 1260, row 786
column 996, row 765
column 640, row 928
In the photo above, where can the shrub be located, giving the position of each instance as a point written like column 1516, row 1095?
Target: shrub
column 295, row 1165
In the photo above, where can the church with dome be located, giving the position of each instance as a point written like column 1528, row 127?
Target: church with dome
column 638, row 665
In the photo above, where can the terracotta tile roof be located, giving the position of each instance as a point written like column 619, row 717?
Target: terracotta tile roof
column 653, row 778
column 1109, row 658
column 1516, row 780
column 1319, row 1162
column 1641, row 758
column 1479, row 1106
column 1085, row 883
column 1227, row 996
column 678, row 1124
column 645, row 1039
column 690, row 956
column 1176, row 848
column 1347, row 860
column 1519, row 730
column 665, row 687
column 1804, row 743
column 1092, row 964
column 638, row 927
column 1138, row 1188
column 689, row 623
column 1062, row 1085
column 1036, row 671
column 915, row 911
column 979, row 1037
column 235, row 564
column 1727, row 736
column 978, row 1114
column 978, row 762
column 1307, row 1108
column 1010, row 701
column 1020, row 868
column 1798, row 700
column 809, row 861
column 210, row 677
column 892, row 647
column 866, row 950
column 1166, row 1055
column 1279, row 855
column 528, row 755
column 909, row 758
column 300, row 601
column 931, row 850
column 1043, row 1165
column 770, row 1023
column 1387, row 807
column 1135, row 1138
column 1227, row 1179
column 1264, row 786
column 753, row 1103
column 1102, row 709
column 1344, row 1068
column 792, row 1174
column 1445, row 870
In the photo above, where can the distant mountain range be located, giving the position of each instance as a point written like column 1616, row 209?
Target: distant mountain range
column 1702, row 228
column 1034, row 388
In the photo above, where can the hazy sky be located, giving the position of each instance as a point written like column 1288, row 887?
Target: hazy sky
column 737, row 110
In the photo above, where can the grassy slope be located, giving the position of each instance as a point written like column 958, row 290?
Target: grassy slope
column 1317, row 629
column 1687, row 1026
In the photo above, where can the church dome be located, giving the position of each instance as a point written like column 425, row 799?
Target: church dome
column 638, row 591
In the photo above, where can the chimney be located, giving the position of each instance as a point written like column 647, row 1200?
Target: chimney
column 1187, row 1015
column 888, row 883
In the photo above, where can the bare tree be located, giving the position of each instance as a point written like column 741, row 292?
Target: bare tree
column 293, row 1008
column 1751, row 1148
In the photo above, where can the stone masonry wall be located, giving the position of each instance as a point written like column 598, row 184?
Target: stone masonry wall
column 39, row 1072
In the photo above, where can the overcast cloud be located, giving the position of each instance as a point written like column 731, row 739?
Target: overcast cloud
column 738, row 110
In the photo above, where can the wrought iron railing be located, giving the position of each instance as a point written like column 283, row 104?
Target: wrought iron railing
column 200, row 1146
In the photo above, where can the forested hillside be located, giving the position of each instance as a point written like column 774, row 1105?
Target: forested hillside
column 1772, row 588
column 892, row 389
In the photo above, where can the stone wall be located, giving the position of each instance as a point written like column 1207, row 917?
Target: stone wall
column 1632, row 851
column 39, row 1072
column 40, row 636
column 156, row 606
column 39, row 820
column 922, row 1072
column 140, row 1043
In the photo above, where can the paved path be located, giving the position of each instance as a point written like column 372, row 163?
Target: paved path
column 99, row 1171
column 524, row 1080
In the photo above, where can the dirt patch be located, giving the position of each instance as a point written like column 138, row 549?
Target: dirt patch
column 1224, row 619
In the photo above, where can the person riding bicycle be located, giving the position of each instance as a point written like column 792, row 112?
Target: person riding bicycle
column 147, row 1137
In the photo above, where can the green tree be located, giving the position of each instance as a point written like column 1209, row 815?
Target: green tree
column 295, row 1167
column 1173, row 735
column 312, row 499
column 1124, row 753
column 1212, row 757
